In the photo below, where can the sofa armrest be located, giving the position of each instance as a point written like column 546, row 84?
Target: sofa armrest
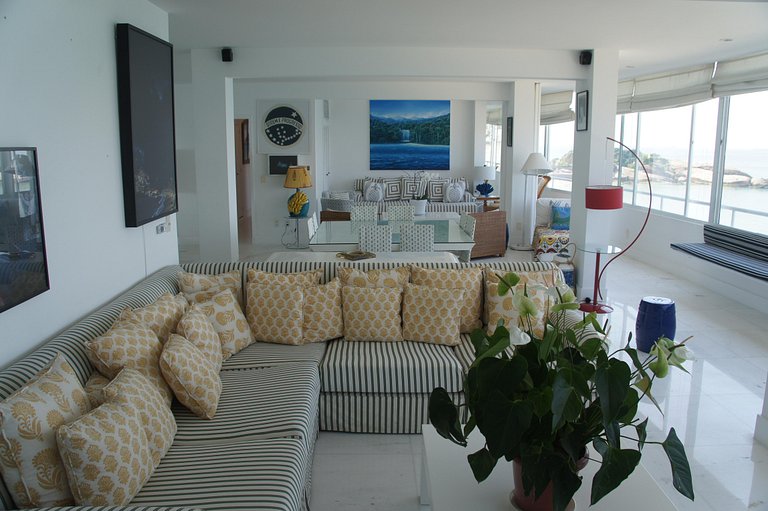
column 116, row 508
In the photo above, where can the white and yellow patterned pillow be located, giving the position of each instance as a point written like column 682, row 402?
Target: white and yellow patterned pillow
column 163, row 314
column 94, row 388
column 29, row 458
column 500, row 307
column 303, row 279
column 228, row 320
column 195, row 327
column 194, row 380
column 323, row 319
column 274, row 312
column 132, row 388
column 372, row 314
column 129, row 343
column 468, row 279
column 106, row 455
column 395, row 277
column 432, row 315
column 199, row 287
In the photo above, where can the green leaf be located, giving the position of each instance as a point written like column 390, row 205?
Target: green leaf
column 644, row 384
column 590, row 347
column 617, row 465
column 629, row 408
column 612, row 383
column 541, row 400
column 546, row 344
column 558, row 307
column 492, row 351
column 681, row 470
column 566, row 405
column 470, row 426
column 480, row 341
column 504, row 423
column 613, row 434
column 564, row 486
column 641, row 433
column 444, row 416
column 482, row 463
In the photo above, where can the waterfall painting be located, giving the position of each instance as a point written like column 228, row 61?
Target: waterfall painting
column 410, row 135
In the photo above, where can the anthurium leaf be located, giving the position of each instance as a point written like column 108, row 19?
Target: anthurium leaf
column 681, row 470
column 613, row 434
column 564, row 485
column 566, row 405
column 590, row 347
column 644, row 384
column 558, row 307
column 444, row 416
column 492, row 351
column 502, row 288
column 595, row 323
column 546, row 344
column 541, row 399
column 482, row 463
column 470, row 426
column 641, row 433
column 636, row 360
column 629, row 408
column 617, row 465
column 504, row 423
column 612, row 382
column 480, row 340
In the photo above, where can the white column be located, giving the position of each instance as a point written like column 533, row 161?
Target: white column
column 523, row 107
column 761, row 425
column 589, row 162
column 214, row 158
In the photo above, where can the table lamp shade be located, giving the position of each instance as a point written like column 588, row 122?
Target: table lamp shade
column 298, row 177
column 536, row 165
column 604, row 197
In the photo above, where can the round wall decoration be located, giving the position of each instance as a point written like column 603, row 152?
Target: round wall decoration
column 283, row 126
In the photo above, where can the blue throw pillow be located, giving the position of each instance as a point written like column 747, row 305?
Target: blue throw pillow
column 561, row 218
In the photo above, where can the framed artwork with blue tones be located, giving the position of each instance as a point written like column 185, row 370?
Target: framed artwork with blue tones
column 410, row 135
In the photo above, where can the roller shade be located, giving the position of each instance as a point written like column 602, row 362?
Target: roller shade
column 671, row 90
column 740, row 76
column 556, row 107
column 624, row 96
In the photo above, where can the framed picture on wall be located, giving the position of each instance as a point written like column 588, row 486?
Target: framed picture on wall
column 23, row 263
column 582, row 110
column 509, row 131
column 245, row 137
column 278, row 165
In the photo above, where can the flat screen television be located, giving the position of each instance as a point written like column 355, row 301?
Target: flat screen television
column 23, row 266
column 147, row 140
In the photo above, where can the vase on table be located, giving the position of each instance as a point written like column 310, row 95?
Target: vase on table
column 419, row 206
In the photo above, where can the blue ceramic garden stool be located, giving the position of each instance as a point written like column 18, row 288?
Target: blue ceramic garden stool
column 655, row 318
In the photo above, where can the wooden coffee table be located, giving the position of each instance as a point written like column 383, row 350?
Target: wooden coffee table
column 447, row 483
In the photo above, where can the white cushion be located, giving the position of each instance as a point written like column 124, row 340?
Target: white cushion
column 454, row 192
column 374, row 192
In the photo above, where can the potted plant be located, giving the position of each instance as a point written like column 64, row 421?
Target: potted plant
column 544, row 400
column 418, row 201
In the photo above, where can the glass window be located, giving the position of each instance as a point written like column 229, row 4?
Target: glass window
column 560, row 154
column 626, row 171
column 702, row 159
column 745, row 182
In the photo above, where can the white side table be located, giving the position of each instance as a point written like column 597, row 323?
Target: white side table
column 295, row 223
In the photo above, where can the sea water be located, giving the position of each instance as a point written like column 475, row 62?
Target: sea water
column 410, row 157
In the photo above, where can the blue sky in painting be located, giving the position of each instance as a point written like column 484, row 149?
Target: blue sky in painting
column 416, row 109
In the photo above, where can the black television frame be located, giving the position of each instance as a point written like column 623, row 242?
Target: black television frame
column 147, row 129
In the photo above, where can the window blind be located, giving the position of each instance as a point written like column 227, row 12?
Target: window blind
column 740, row 76
column 669, row 90
column 556, row 107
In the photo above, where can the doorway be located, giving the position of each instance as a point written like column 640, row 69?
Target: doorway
column 243, row 180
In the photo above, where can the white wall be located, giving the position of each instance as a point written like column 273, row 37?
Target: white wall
column 59, row 94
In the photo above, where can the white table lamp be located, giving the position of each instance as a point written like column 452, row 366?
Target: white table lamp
column 535, row 165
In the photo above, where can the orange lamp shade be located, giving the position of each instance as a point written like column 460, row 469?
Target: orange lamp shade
column 298, row 177
column 604, row 197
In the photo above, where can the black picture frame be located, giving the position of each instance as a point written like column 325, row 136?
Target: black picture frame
column 23, row 261
column 509, row 131
column 582, row 110
column 245, row 138
column 278, row 165
column 147, row 130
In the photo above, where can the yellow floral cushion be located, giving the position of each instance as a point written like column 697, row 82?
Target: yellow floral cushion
column 132, row 388
column 94, row 388
column 29, row 458
column 106, row 455
column 193, row 285
column 275, row 312
column 195, row 327
column 501, row 307
column 432, row 314
column 396, row 277
column 129, row 343
column 322, row 312
column 194, row 380
column 307, row 278
column 162, row 316
column 469, row 279
column 228, row 320
column 372, row 314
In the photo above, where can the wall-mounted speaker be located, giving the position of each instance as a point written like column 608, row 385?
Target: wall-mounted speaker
column 227, row 55
column 585, row 57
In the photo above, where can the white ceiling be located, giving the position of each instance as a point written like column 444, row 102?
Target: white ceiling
column 651, row 35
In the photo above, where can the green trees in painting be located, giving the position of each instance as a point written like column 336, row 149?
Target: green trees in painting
column 435, row 131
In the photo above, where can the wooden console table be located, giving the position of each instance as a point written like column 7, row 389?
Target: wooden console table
column 490, row 203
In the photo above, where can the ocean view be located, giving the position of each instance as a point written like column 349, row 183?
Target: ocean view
column 410, row 157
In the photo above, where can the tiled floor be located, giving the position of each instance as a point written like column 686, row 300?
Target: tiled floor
column 713, row 409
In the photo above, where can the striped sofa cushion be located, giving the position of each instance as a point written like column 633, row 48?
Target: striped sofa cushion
column 453, row 207
column 265, row 354
column 377, row 413
column 726, row 258
column 746, row 243
column 122, row 508
column 71, row 341
column 389, row 367
column 255, row 474
column 257, row 404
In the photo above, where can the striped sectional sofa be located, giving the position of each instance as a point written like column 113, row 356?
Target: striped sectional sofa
column 257, row 451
